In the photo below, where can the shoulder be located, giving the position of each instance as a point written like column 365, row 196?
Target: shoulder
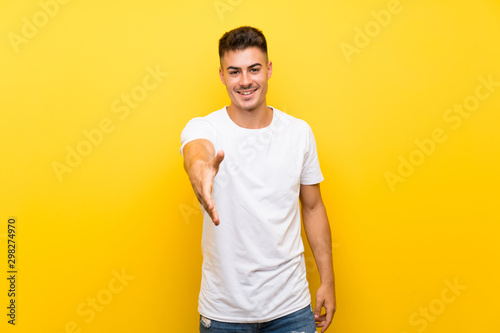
column 290, row 122
column 205, row 127
column 215, row 116
column 209, row 120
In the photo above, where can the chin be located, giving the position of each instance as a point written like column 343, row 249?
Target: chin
column 248, row 107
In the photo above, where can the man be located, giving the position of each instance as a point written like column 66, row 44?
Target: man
column 253, row 274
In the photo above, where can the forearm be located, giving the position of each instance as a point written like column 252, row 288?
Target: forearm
column 318, row 234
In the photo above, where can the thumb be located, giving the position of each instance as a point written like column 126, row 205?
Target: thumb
column 217, row 160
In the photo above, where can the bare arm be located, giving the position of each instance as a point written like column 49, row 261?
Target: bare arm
column 318, row 234
column 201, row 167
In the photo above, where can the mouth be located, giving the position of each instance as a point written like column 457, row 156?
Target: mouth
column 246, row 93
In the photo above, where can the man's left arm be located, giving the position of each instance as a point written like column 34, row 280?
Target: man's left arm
column 318, row 234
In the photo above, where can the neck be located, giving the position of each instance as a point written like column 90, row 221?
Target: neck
column 260, row 117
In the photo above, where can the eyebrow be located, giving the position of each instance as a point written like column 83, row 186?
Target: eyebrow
column 251, row 66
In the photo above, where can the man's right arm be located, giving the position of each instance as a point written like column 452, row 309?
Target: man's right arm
column 201, row 166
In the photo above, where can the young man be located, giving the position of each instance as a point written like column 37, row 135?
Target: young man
column 253, row 273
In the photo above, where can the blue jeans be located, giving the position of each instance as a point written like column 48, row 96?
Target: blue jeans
column 301, row 321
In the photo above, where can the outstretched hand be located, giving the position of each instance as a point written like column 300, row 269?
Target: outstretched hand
column 202, row 179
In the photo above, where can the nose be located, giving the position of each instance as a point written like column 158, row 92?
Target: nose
column 245, row 79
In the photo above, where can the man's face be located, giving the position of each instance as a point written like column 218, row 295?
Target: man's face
column 245, row 74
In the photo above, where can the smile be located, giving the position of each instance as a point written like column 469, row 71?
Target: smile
column 246, row 93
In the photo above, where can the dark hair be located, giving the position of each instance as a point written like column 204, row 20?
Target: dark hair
column 242, row 38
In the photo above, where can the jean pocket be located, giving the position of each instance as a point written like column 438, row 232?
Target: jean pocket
column 205, row 322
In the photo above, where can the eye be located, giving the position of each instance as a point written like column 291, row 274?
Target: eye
column 254, row 70
column 233, row 72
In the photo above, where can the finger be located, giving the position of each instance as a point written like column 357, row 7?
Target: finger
column 324, row 327
column 215, row 217
column 317, row 309
column 320, row 322
column 205, row 197
column 206, row 186
column 217, row 160
column 329, row 318
column 320, row 318
column 212, row 212
column 209, row 204
column 204, row 204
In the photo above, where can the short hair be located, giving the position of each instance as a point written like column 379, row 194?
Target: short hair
column 242, row 38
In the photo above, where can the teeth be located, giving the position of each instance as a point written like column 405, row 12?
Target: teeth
column 246, row 93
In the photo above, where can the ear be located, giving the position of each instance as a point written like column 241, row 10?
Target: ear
column 269, row 69
column 221, row 75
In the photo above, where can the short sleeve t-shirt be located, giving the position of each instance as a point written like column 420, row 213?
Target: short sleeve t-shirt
column 253, row 264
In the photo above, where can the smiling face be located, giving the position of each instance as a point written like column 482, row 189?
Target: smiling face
column 245, row 74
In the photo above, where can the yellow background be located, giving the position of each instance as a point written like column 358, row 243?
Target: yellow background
column 128, row 206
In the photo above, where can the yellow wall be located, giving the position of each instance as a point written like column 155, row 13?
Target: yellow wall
column 407, row 131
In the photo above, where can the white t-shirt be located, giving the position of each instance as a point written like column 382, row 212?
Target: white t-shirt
column 253, row 262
